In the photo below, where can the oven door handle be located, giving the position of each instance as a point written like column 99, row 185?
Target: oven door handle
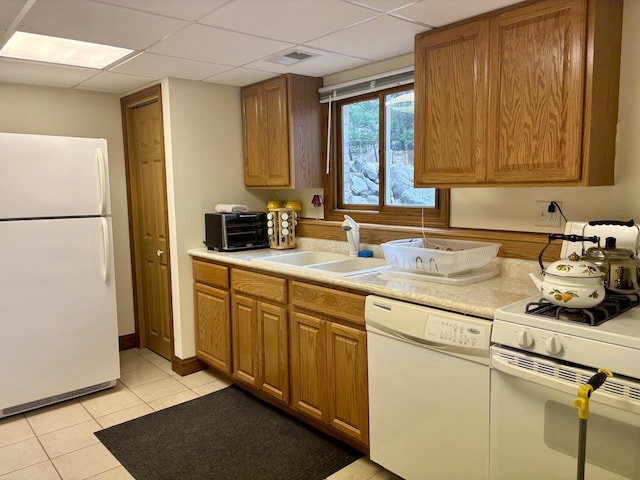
column 504, row 366
column 600, row 396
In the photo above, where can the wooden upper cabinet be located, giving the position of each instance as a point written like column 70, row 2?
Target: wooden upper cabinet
column 451, row 93
column 536, row 93
column 526, row 96
column 281, row 124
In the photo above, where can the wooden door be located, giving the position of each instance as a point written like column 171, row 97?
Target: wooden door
column 537, row 93
column 309, row 366
column 148, row 219
column 213, row 326
column 451, row 105
column 245, row 339
column 347, row 381
column 273, row 350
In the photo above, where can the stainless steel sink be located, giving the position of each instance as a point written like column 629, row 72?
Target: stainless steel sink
column 331, row 263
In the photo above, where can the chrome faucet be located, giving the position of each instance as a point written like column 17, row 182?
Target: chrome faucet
column 351, row 227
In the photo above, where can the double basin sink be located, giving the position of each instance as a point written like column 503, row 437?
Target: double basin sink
column 331, row 263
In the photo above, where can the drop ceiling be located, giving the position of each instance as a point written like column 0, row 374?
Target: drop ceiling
column 229, row 42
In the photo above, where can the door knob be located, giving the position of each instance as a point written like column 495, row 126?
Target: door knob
column 159, row 252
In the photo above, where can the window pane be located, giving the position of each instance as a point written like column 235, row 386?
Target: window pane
column 399, row 189
column 360, row 162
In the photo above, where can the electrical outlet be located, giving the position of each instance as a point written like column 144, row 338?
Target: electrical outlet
column 545, row 218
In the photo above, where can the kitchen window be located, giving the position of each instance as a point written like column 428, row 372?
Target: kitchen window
column 372, row 158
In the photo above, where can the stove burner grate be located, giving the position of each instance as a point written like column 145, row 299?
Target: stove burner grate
column 612, row 306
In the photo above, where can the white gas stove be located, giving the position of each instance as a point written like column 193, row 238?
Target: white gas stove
column 613, row 344
column 607, row 335
column 539, row 358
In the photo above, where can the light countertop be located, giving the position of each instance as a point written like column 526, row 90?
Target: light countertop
column 479, row 299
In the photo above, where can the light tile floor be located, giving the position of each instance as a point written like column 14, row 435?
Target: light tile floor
column 57, row 442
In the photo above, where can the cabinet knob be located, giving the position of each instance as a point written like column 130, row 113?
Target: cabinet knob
column 159, row 252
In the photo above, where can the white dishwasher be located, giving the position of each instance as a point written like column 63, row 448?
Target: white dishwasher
column 428, row 391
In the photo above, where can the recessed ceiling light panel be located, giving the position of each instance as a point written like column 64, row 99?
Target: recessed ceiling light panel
column 42, row 48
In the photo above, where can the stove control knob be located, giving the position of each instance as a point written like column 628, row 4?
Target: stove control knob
column 554, row 346
column 525, row 339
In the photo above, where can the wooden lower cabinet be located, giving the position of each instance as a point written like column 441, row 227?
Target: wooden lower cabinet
column 309, row 366
column 212, row 315
column 306, row 350
column 213, row 332
column 347, row 381
column 329, row 360
column 260, row 334
column 245, row 339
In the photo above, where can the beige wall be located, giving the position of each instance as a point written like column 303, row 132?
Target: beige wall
column 203, row 138
column 56, row 111
column 514, row 208
column 204, row 167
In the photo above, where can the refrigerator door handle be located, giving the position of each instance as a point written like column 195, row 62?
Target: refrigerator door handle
column 103, row 182
column 107, row 248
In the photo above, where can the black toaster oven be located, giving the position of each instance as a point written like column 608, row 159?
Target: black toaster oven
column 236, row 231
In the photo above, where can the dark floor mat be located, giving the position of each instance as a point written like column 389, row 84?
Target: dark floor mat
column 226, row 435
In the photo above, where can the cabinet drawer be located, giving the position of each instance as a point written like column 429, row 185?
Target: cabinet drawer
column 259, row 285
column 328, row 301
column 211, row 274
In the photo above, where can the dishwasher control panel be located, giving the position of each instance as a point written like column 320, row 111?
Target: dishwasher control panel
column 455, row 331
column 420, row 324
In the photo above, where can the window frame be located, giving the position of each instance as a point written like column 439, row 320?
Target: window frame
column 436, row 217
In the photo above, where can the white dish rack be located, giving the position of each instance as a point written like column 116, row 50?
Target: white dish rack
column 442, row 257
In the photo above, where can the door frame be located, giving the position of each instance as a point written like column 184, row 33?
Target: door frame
column 147, row 95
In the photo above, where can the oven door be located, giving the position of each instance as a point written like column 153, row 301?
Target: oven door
column 534, row 425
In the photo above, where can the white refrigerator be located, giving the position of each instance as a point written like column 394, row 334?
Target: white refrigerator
column 58, row 319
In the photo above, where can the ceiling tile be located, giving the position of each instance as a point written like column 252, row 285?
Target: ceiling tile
column 96, row 22
column 315, row 67
column 382, row 5
column 377, row 39
column 209, row 44
column 443, row 12
column 207, row 39
column 8, row 11
column 239, row 77
column 293, row 21
column 117, row 82
column 33, row 73
column 160, row 66
column 183, row 9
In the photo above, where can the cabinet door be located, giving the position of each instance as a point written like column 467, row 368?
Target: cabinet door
column 451, row 105
column 254, row 132
column 265, row 123
column 245, row 339
column 347, row 381
column 273, row 351
column 213, row 326
column 537, row 93
column 277, row 125
column 308, row 366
